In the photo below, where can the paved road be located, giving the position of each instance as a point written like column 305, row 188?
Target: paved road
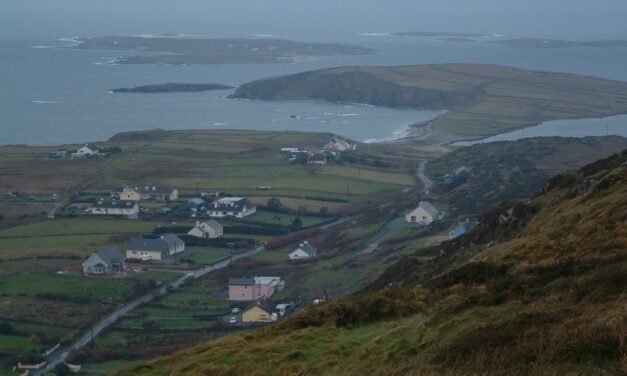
column 426, row 182
column 53, row 211
column 390, row 229
column 61, row 354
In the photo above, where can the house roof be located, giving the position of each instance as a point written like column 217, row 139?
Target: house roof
column 196, row 201
column 212, row 224
column 231, row 204
column 110, row 255
column 172, row 241
column 264, row 304
column 308, row 249
column 151, row 245
column 274, row 281
column 241, row 281
column 115, row 204
column 428, row 208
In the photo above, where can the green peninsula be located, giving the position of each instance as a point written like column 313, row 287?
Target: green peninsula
column 480, row 99
column 172, row 88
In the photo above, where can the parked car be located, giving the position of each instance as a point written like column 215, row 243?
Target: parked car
column 235, row 310
column 233, row 320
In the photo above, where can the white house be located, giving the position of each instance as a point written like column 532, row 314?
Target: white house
column 86, row 151
column 126, row 194
column 154, row 249
column 424, row 214
column 115, row 207
column 304, row 251
column 207, row 230
column 238, row 207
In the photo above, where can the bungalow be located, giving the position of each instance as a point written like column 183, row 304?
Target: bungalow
column 86, row 151
column 158, row 193
column 154, row 249
column 207, row 230
column 259, row 311
column 107, row 261
column 424, row 214
column 115, row 207
column 238, row 207
column 460, row 229
column 125, row 193
column 304, row 251
column 249, row 289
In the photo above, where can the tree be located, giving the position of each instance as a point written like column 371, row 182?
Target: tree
column 274, row 203
column 301, row 159
column 297, row 223
column 61, row 369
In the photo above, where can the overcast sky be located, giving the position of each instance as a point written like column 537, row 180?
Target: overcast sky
column 324, row 19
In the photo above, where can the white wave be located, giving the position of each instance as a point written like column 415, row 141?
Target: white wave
column 44, row 102
column 343, row 115
column 264, row 35
column 376, row 34
column 219, row 124
column 71, row 40
column 43, row 46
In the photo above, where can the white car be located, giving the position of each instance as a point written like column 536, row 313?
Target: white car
column 235, row 310
column 233, row 320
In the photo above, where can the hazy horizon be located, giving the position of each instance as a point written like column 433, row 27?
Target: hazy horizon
column 42, row 19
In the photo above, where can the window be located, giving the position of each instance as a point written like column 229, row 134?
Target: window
column 413, row 218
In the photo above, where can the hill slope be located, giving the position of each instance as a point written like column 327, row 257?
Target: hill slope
column 481, row 99
column 542, row 294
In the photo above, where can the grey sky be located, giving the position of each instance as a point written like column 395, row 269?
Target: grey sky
column 324, row 19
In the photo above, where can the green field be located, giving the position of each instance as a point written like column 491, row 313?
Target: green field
column 71, row 237
column 74, row 286
column 284, row 219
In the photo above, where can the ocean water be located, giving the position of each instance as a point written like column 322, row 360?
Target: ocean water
column 611, row 125
column 60, row 95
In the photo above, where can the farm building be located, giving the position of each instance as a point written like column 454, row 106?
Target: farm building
column 460, row 229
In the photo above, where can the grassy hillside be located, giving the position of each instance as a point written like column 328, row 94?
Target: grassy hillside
column 481, row 99
column 543, row 293
column 506, row 170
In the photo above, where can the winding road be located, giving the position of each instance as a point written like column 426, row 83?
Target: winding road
column 61, row 354
column 426, row 182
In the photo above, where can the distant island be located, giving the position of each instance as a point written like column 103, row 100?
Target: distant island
column 556, row 43
column 446, row 34
column 481, row 99
column 180, row 51
column 172, row 88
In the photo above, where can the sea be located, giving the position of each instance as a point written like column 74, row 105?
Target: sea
column 51, row 94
